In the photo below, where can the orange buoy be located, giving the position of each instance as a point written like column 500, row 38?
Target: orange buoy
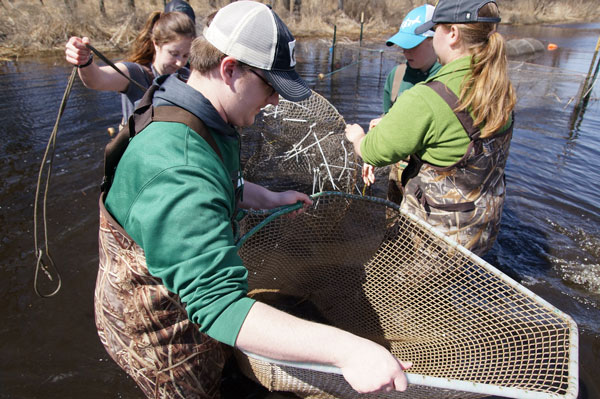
column 552, row 46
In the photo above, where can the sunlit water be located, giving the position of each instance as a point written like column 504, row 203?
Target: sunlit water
column 549, row 240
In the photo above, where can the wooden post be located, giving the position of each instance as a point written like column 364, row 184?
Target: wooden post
column 585, row 90
column 362, row 22
column 333, row 48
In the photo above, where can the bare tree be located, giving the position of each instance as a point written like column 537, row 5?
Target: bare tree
column 341, row 5
column 102, row 9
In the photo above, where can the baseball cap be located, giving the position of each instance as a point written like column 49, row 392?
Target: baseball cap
column 457, row 12
column 181, row 6
column 406, row 37
column 253, row 33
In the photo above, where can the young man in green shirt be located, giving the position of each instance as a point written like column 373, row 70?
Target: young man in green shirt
column 171, row 288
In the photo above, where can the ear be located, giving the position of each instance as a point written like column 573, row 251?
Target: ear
column 454, row 35
column 227, row 70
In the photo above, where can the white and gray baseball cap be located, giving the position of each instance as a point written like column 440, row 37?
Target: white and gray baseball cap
column 253, row 33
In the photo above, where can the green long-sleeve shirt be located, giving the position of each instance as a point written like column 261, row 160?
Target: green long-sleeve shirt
column 411, row 77
column 174, row 197
column 421, row 122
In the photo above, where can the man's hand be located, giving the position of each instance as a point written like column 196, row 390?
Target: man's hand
column 371, row 368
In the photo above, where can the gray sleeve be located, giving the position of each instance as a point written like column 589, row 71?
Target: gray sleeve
column 133, row 93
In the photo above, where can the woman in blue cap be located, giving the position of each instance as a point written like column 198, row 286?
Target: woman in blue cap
column 421, row 63
column 456, row 127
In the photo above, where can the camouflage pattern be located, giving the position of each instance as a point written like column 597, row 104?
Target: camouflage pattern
column 145, row 328
column 394, row 192
column 464, row 200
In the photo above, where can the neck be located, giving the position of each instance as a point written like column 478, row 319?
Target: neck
column 454, row 54
column 208, row 85
column 426, row 69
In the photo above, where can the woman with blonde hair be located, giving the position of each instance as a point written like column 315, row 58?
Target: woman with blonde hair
column 162, row 47
column 456, row 127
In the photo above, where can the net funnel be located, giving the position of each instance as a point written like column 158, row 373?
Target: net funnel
column 363, row 265
column 301, row 146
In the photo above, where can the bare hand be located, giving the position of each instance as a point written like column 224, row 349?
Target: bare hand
column 371, row 368
column 374, row 123
column 368, row 174
column 291, row 197
column 354, row 132
column 76, row 51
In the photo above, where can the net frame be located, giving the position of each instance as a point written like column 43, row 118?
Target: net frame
column 258, row 245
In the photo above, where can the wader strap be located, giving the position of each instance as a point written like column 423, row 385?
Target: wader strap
column 397, row 82
column 143, row 115
column 177, row 114
column 415, row 164
column 452, row 100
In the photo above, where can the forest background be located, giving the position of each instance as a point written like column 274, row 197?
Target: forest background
column 32, row 26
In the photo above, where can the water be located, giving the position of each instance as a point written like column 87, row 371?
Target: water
column 549, row 240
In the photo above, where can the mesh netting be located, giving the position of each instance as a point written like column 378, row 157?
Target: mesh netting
column 545, row 87
column 360, row 264
column 300, row 146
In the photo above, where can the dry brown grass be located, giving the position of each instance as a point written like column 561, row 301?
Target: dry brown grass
column 31, row 26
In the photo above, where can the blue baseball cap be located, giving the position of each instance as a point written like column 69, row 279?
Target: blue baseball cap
column 406, row 36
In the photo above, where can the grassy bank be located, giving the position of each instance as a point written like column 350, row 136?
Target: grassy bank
column 32, row 26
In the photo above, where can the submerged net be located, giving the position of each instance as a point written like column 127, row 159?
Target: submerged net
column 301, row 146
column 361, row 264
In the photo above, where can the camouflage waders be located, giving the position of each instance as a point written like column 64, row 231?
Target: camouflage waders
column 145, row 328
column 464, row 200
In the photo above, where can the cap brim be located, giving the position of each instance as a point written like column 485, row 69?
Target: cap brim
column 405, row 40
column 288, row 84
column 424, row 28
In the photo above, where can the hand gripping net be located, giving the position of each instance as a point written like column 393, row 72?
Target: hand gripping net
column 363, row 265
column 301, row 146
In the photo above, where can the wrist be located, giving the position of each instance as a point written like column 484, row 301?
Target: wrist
column 88, row 63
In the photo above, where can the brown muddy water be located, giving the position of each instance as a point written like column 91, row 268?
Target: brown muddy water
column 549, row 241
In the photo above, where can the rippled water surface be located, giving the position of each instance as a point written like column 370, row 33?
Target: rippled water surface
column 549, row 241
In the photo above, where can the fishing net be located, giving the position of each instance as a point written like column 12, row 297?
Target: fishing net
column 301, row 146
column 363, row 265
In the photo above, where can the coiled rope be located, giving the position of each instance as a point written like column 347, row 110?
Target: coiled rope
column 50, row 268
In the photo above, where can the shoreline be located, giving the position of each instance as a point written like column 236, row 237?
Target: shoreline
column 29, row 29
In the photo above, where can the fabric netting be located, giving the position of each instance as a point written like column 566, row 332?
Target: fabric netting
column 361, row 264
column 301, row 146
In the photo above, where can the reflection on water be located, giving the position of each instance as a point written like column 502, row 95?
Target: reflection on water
column 549, row 240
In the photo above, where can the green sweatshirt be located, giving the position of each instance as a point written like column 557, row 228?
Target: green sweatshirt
column 420, row 122
column 411, row 77
column 175, row 198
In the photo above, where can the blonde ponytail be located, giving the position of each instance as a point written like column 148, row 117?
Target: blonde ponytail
column 487, row 91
